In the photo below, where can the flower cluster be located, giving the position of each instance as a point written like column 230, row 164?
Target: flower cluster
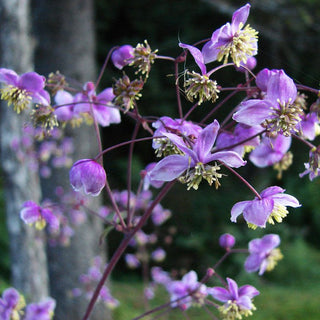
column 89, row 281
column 258, row 130
column 13, row 306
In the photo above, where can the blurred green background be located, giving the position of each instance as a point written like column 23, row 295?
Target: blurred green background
column 288, row 39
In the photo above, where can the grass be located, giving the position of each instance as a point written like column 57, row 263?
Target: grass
column 274, row 303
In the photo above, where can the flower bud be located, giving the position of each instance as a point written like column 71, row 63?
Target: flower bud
column 250, row 64
column 227, row 241
column 89, row 176
column 122, row 56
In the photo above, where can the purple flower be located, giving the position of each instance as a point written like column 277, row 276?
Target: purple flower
column 250, row 64
column 158, row 255
column 11, row 304
column 271, row 204
column 312, row 172
column 238, row 301
column 197, row 55
column 227, row 241
column 159, row 276
column 232, row 40
column 160, row 215
column 277, row 111
column 147, row 182
column 270, row 151
column 89, row 176
column 188, row 289
column 197, row 86
column 122, row 56
column 90, row 281
column 100, row 105
column 239, row 138
column 31, row 213
column 313, row 166
column 65, row 112
column 21, row 90
column 40, row 311
column 263, row 255
column 173, row 166
column 309, row 127
column 132, row 261
column 177, row 126
column 108, row 299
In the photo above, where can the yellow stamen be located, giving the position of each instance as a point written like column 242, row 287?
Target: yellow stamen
column 19, row 98
column 242, row 46
column 279, row 212
column 273, row 258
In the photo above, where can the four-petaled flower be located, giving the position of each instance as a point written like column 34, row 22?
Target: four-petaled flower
column 195, row 156
column 99, row 106
column 263, row 254
column 188, row 290
column 238, row 301
column 278, row 111
column 40, row 311
column 21, row 90
column 11, row 304
column 122, row 56
column 32, row 213
column 199, row 85
column 89, row 176
column 232, row 40
column 271, row 204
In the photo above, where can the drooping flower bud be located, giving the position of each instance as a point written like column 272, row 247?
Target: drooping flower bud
column 227, row 241
column 250, row 64
column 122, row 56
column 89, row 176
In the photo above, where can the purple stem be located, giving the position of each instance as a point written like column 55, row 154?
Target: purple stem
column 244, row 181
column 129, row 170
column 123, row 245
column 104, row 66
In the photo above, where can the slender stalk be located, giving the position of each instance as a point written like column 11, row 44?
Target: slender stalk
column 97, row 131
column 104, row 66
column 240, row 142
column 122, row 247
column 244, row 181
column 176, row 72
column 115, row 206
column 190, row 111
column 122, row 144
column 218, row 106
column 129, row 171
column 219, row 67
column 165, row 58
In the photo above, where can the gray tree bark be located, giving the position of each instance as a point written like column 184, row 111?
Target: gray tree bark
column 27, row 250
column 64, row 32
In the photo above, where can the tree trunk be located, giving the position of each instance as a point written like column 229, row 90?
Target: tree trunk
column 64, row 33
column 27, row 250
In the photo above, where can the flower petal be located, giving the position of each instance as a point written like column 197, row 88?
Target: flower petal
column 248, row 291
column 240, row 16
column 253, row 262
column 32, row 81
column 281, row 87
column 206, row 140
column 258, row 212
column 220, row 294
column 237, row 209
column 230, row 158
column 197, row 55
column 8, row 76
column 253, row 112
column 169, row 168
